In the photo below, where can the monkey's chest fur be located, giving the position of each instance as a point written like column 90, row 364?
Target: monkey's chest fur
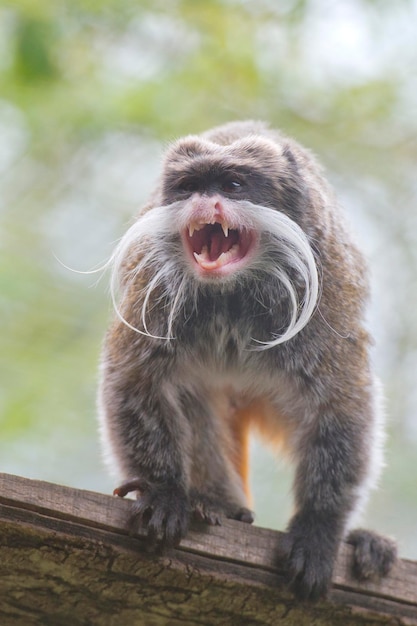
column 215, row 354
column 228, row 326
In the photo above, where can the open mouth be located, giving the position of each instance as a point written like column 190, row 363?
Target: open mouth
column 216, row 248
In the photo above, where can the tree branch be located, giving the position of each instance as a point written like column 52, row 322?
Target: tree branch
column 66, row 558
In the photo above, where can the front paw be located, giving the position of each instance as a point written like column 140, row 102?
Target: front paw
column 373, row 555
column 310, row 547
column 163, row 508
column 211, row 509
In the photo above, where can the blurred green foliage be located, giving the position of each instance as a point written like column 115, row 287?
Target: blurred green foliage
column 89, row 94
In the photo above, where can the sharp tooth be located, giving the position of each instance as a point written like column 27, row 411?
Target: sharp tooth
column 203, row 257
column 225, row 229
column 193, row 226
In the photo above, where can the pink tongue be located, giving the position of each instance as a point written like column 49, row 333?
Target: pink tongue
column 219, row 243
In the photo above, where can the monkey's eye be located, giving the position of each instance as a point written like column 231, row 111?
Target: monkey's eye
column 187, row 186
column 232, row 186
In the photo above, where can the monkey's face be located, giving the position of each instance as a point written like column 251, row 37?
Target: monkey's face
column 218, row 235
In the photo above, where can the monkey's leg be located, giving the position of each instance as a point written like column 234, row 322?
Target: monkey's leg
column 149, row 438
column 331, row 466
column 217, row 487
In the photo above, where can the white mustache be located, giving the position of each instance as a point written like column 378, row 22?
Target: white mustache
column 153, row 244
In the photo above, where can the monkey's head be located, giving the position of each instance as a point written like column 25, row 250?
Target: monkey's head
column 219, row 236
column 228, row 211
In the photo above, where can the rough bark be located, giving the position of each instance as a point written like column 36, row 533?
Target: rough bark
column 66, row 559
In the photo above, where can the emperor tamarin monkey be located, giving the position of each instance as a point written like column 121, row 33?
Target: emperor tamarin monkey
column 240, row 305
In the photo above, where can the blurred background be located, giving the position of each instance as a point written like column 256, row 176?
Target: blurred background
column 90, row 94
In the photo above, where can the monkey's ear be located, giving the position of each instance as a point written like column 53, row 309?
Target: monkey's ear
column 289, row 155
column 187, row 148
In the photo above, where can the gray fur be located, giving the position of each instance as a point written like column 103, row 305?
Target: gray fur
column 167, row 404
